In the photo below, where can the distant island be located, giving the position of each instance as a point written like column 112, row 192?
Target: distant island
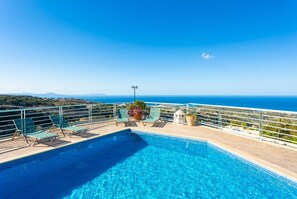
column 25, row 101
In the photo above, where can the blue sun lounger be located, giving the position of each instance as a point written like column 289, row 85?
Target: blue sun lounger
column 27, row 128
column 153, row 117
column 122, row 116
column 60, row 122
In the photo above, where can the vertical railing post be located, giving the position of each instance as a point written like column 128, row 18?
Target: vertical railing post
column 198, row 113
column 60, row 115
column 23, row 126
column 220, row 118
column 174, row 109
column 261, row 123
column 90, row 114
column 114, row 113
column 187, row 108
column 24, row 117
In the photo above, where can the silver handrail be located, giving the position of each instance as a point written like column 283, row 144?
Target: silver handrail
column 273, row 124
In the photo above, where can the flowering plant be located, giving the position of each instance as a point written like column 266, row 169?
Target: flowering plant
column 135, row 110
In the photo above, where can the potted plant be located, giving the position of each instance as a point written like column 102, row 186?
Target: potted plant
column 140, row 104
column 136, row 109
column 191, row 119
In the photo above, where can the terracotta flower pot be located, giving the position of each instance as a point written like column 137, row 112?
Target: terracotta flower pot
column 137, row 116
column 191, row 120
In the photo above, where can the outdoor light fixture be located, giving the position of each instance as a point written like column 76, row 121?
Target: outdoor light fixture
column 134, row 89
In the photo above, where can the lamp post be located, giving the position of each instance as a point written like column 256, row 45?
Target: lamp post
column 134, row 89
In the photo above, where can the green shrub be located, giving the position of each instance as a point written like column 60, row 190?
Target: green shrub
column 192, row 115
column 140, row 104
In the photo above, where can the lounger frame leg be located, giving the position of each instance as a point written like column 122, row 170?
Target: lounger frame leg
column 16, row 134
column 35, row 142
column 63, row 132
column 26, row 140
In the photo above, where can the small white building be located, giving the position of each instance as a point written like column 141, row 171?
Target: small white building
column 179, row 117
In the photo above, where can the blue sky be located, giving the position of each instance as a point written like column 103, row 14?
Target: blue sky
column 199, row 47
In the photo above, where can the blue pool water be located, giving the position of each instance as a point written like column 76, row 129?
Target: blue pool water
column 140, row 165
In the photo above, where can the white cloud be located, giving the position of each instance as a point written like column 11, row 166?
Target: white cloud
column 206, row 56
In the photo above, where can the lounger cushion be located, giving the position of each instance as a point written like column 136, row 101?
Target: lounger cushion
column 150, row 120
column 75, row 128
column 41, row 135
column 122, row 120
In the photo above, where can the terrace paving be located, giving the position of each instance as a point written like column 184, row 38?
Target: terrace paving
column 278, row 158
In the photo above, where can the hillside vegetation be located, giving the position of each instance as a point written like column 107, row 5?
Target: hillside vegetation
column 15, row 101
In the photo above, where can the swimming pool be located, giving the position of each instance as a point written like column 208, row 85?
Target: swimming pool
column 134, row 164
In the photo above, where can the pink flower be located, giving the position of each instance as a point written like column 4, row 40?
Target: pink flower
column 135, row 110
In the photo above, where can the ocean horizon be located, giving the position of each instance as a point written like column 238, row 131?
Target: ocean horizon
column 284, row 103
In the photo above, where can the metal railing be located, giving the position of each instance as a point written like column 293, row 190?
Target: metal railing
column 275, row 125
column 272, row 125
column 80, row 114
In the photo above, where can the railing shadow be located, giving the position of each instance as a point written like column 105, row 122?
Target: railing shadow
column 159, row 124
column 86, row 135
column 55, row 143
column 7, row 146
column 130, row 124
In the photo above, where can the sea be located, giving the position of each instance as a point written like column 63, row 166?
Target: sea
column 284, row 103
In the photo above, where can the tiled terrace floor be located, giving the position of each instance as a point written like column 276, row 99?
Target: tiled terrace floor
column 275, row 157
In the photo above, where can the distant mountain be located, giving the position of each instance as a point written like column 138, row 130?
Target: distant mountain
column 54, row 95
